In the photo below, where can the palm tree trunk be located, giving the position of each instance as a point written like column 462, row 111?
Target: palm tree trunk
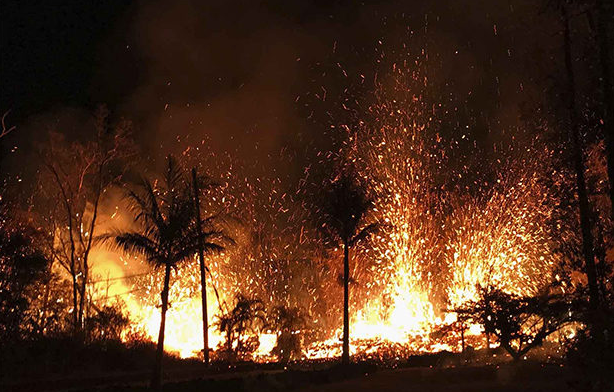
column 156, row 381
column 203, row 277
column 585, row 221
column 229, row 340
column 345, row 358
column 462, row 338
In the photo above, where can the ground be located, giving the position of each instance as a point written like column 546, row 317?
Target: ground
column 329, row 377
column 503, row 378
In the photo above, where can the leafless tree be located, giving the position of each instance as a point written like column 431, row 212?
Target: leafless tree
column 72, row 183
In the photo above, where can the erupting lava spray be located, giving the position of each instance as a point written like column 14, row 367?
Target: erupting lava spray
column 438, row 240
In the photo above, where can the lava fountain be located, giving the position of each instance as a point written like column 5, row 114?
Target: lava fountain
column 437, row 244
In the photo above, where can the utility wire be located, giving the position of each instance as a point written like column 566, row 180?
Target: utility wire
column 118, row 278
column 120, row 294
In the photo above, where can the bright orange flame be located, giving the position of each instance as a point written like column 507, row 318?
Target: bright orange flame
column 437, row 245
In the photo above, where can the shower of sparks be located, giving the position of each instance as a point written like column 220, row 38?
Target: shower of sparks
column 438, row 241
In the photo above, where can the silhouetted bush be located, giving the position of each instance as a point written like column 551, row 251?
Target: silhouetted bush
column 22, row 264
column 67, row 356
column 107, row 324
column 288, row 322
column 247, row 317
column 519, row 323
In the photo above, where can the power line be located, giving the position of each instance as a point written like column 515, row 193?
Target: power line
column 118, row 278
column 120, row 294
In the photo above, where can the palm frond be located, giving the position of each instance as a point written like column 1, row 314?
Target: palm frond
column 346, row 204
column 206, row 183
column 167, row 219
column 134, row 243
column 365, row 233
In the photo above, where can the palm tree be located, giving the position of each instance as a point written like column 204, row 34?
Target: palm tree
column 166, row 235
column 247, row 316
column 346, row 207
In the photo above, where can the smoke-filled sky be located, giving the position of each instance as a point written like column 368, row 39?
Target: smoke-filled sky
column 244, row 74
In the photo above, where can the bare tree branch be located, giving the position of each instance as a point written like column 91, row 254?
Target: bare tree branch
column 6, row 130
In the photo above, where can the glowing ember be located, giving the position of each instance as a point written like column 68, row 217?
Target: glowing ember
column 437, row 243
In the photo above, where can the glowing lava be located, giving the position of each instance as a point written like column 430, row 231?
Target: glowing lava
column 436, row 244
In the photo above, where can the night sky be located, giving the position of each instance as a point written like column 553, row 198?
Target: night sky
column 51, row 51
column 243, row 74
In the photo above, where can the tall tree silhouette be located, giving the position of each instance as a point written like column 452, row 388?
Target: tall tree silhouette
column 346, row 206
column 579, row 167
column 208, row 241
column 604, row 11
column 166, row 235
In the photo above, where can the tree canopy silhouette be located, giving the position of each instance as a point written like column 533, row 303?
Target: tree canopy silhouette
column 345, row 211
column 520, row 323
column 247, row 316
column 166, row 234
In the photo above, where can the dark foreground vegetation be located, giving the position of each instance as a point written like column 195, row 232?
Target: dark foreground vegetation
column 417, row 374
column 67, row 357
column 486, row 378
column 266, row 380
column 587, row 366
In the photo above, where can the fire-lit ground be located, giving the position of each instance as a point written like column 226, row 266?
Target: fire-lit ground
column 311, row 377
column 484, row 379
